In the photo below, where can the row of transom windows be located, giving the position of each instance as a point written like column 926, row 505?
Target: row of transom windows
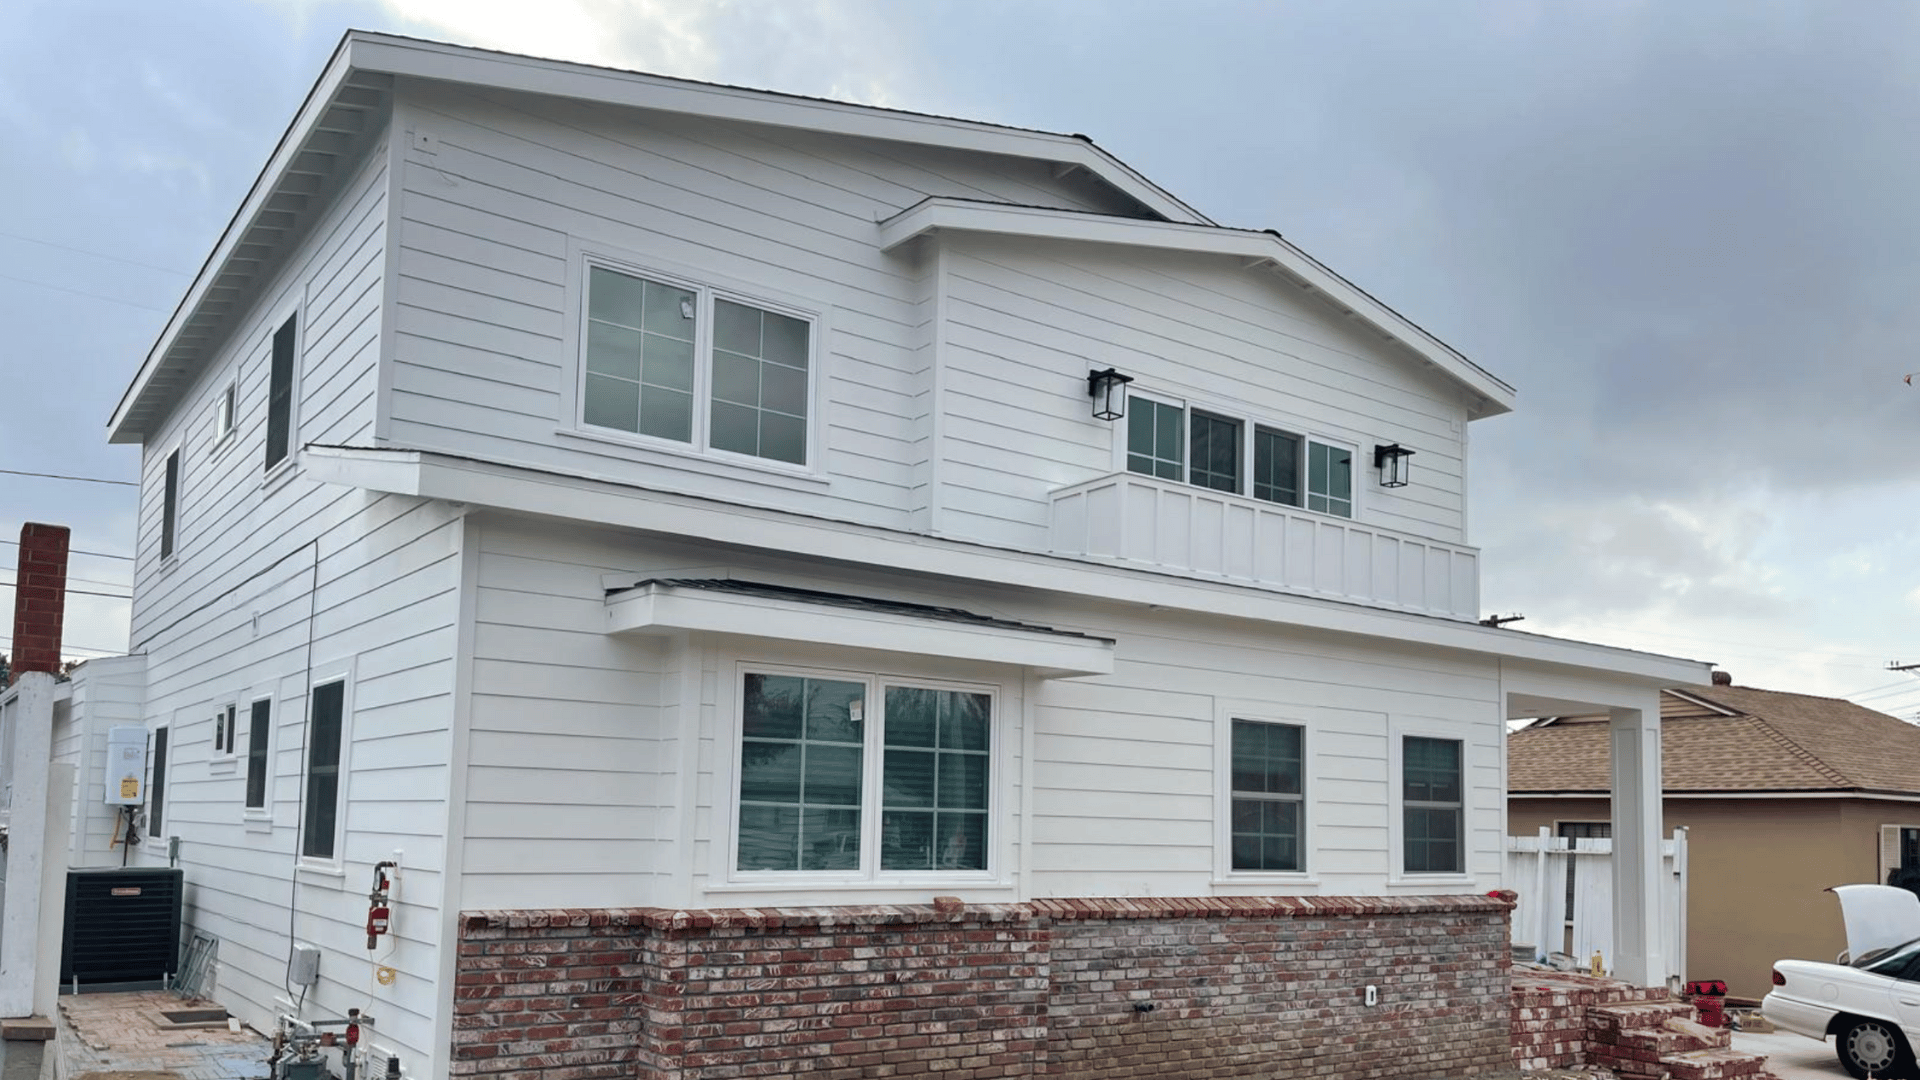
column 1176, row 442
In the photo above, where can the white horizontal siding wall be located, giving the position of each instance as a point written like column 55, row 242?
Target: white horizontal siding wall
column 1026, row 320
column 276, row 580
column 599, row 775
column 500, row 194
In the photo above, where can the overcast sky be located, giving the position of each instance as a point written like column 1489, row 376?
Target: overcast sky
column 1687, row 232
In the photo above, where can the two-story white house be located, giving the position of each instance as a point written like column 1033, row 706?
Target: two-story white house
column 687, row 530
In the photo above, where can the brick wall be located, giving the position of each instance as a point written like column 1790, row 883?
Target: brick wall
column 1550, row 1022
column 40, row 598
column 1238, row 987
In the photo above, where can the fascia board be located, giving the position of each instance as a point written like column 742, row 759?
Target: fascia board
column 522, row 490
column 559, row 78
column 319, row 99
column 658, row 609
column 957, row 215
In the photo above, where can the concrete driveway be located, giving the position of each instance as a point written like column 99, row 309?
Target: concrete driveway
column 1793, row 1057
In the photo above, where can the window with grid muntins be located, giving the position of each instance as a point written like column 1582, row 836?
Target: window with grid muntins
column 1215, row 460
column 1431, row 805
column 1268, row 793
column 934, row 806
column 1156, row 439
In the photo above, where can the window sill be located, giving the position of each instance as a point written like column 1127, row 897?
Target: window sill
column 1303, row 881
column 920, row 884
column 326, row 875
column 1414, row 881
column 276, row 478
column 257, row 821
column 671, row 456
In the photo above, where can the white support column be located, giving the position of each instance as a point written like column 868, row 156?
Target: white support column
column 26, row 841
column 1638, row 929
column 56, row 858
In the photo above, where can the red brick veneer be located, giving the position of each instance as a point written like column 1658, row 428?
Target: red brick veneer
column 1268, row 987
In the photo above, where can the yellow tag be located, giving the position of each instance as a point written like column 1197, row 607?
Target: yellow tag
column 385, row 974
column 129, row 788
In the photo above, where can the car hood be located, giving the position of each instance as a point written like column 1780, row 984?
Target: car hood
column 1877, row 917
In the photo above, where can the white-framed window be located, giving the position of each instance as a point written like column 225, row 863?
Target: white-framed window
column 1267, row 822
column 672, row 361
column 1432, row 805
column 158, row 758
column 859, row 776
column 225, row 730
column 282, row 358
column 169, row 503
column 323, row 792
column 225, row 412
column 259, row 754
column 1176, row 440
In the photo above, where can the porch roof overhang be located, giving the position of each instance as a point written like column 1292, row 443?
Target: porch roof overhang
column 1534, row 667
column 732, row 607
column 1256, row 250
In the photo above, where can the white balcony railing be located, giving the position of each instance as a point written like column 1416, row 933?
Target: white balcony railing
column 1187, row 530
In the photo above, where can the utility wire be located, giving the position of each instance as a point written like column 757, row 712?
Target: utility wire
column 57, row 476
column 83, row 292
column 95, row 254
column 78, row 592
column 76, row 648
column 94, row 554
column 90, row 581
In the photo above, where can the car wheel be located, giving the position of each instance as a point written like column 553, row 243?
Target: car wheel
column 1872, row 1048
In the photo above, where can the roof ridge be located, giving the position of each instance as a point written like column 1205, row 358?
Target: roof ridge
column 1792, row 746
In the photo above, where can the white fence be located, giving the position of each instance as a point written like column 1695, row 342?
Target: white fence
column 1574, row 914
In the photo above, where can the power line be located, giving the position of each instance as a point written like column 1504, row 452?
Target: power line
column 57, row 476
column 83, row 292
column 94, row 554
column 78, row 592
column 78, row 648
column 95, row 254
column 90, row 581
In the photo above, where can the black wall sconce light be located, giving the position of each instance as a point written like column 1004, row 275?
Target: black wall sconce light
column 1392, row 462
column 1109, row 392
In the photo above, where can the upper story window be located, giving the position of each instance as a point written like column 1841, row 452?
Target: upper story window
column 1173, row 441
column 280, row 395
column 170, row 504
column 678, row 362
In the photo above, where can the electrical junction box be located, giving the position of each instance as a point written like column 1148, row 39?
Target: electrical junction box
column 126, row 776
column 305, row 968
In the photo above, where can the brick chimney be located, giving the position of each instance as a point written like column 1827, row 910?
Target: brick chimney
column 39, row 598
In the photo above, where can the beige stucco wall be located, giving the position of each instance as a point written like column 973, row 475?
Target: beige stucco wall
column 1758, row 871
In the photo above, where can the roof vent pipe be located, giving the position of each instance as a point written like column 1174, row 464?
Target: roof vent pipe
column 1722, row 678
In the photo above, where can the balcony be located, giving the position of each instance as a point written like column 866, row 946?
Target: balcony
column 1138, row 520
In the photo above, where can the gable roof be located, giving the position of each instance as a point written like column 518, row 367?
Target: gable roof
column 346, row 111
column 1258, row 250
column 1731, row 740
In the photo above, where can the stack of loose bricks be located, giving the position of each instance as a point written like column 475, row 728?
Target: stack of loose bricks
column 1107, row 989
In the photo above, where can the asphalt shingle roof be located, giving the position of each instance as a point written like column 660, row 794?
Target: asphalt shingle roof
column 1775, row 742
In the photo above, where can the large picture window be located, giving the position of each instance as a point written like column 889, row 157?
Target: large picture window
column 1431, row 806
column 678, row 363
column 1206, row 449
column 862, row 776
column 1268, row 793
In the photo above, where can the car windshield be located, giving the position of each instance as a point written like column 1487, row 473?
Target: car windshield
column 1889, row 961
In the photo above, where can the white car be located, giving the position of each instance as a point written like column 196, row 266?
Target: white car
column 1869, row 998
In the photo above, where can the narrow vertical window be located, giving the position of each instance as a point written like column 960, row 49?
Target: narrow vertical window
column 1267, row 796
column 802, row 747
column 223, row 413
column 321, row 820
column 157, row 786
column 1330, row 479
column 935, row 780
column 1276, row 466
column 169, row 504
column 1431, row 805
column 223, row 731
column 1156, row 439
column 280, row 395
column 259, row 730
column 1215, row 461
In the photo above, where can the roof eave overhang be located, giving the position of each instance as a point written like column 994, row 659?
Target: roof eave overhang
column 656, row 608
column 518, row 489
column 1257, row 250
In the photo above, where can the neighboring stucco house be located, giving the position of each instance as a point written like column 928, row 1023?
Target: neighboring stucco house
column 686, row 529
column 1782, row 795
